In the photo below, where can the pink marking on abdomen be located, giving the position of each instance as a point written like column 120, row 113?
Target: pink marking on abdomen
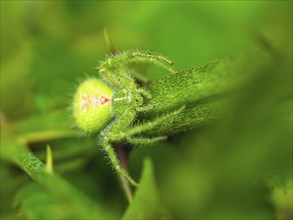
column 94, row 101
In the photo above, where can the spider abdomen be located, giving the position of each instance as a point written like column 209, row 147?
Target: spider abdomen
column 92, row 105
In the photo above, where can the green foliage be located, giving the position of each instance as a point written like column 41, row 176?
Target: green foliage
column 53, row 193
column 281, row 198
column 238, row 110
column 203, row 90
column 33, row 200
column 146, row 204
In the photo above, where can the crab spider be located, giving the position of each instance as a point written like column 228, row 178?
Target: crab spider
column 110, row 106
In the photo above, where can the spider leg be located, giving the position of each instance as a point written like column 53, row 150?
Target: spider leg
column 130, row 56
column 114, row 70
column 144, row 93
column 143, row 141
column 138, row 76
column 144, row 127
column 122, row 122
column 119, row 124
column 115, row 162
column 144, row 108
column 118, row 78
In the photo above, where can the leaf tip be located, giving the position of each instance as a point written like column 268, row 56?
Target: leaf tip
column 49, row 160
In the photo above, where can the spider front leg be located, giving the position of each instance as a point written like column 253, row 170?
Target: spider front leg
column 145, row 141
column 145, row 127
column 119, row 124
column 118, row 78
column 145, row 93
column 120, row 60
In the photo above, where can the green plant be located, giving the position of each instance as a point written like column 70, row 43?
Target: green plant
column 205, row 92
column 232, row 137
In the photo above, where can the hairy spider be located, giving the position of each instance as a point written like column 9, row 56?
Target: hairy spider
column 111, row 105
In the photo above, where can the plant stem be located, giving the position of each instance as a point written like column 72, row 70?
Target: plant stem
column 122, row 153
column 14, row 150
column 204, row 91
column 42, row 136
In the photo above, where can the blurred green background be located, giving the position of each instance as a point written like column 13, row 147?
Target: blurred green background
column 219, row 172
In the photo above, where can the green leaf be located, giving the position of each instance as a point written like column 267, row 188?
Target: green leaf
column 52, row 192
column 216, row 78
column 145, row 204
column 49, row 126
column 37, row 202
column 205, row 91
column 10, row 182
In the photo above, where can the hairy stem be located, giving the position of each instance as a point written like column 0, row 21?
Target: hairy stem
column 203, row 90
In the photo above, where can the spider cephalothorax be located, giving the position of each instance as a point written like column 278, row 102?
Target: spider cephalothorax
column 109, row 106
column 125, row 99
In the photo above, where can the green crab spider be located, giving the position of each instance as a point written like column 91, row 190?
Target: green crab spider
column 110, row 106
